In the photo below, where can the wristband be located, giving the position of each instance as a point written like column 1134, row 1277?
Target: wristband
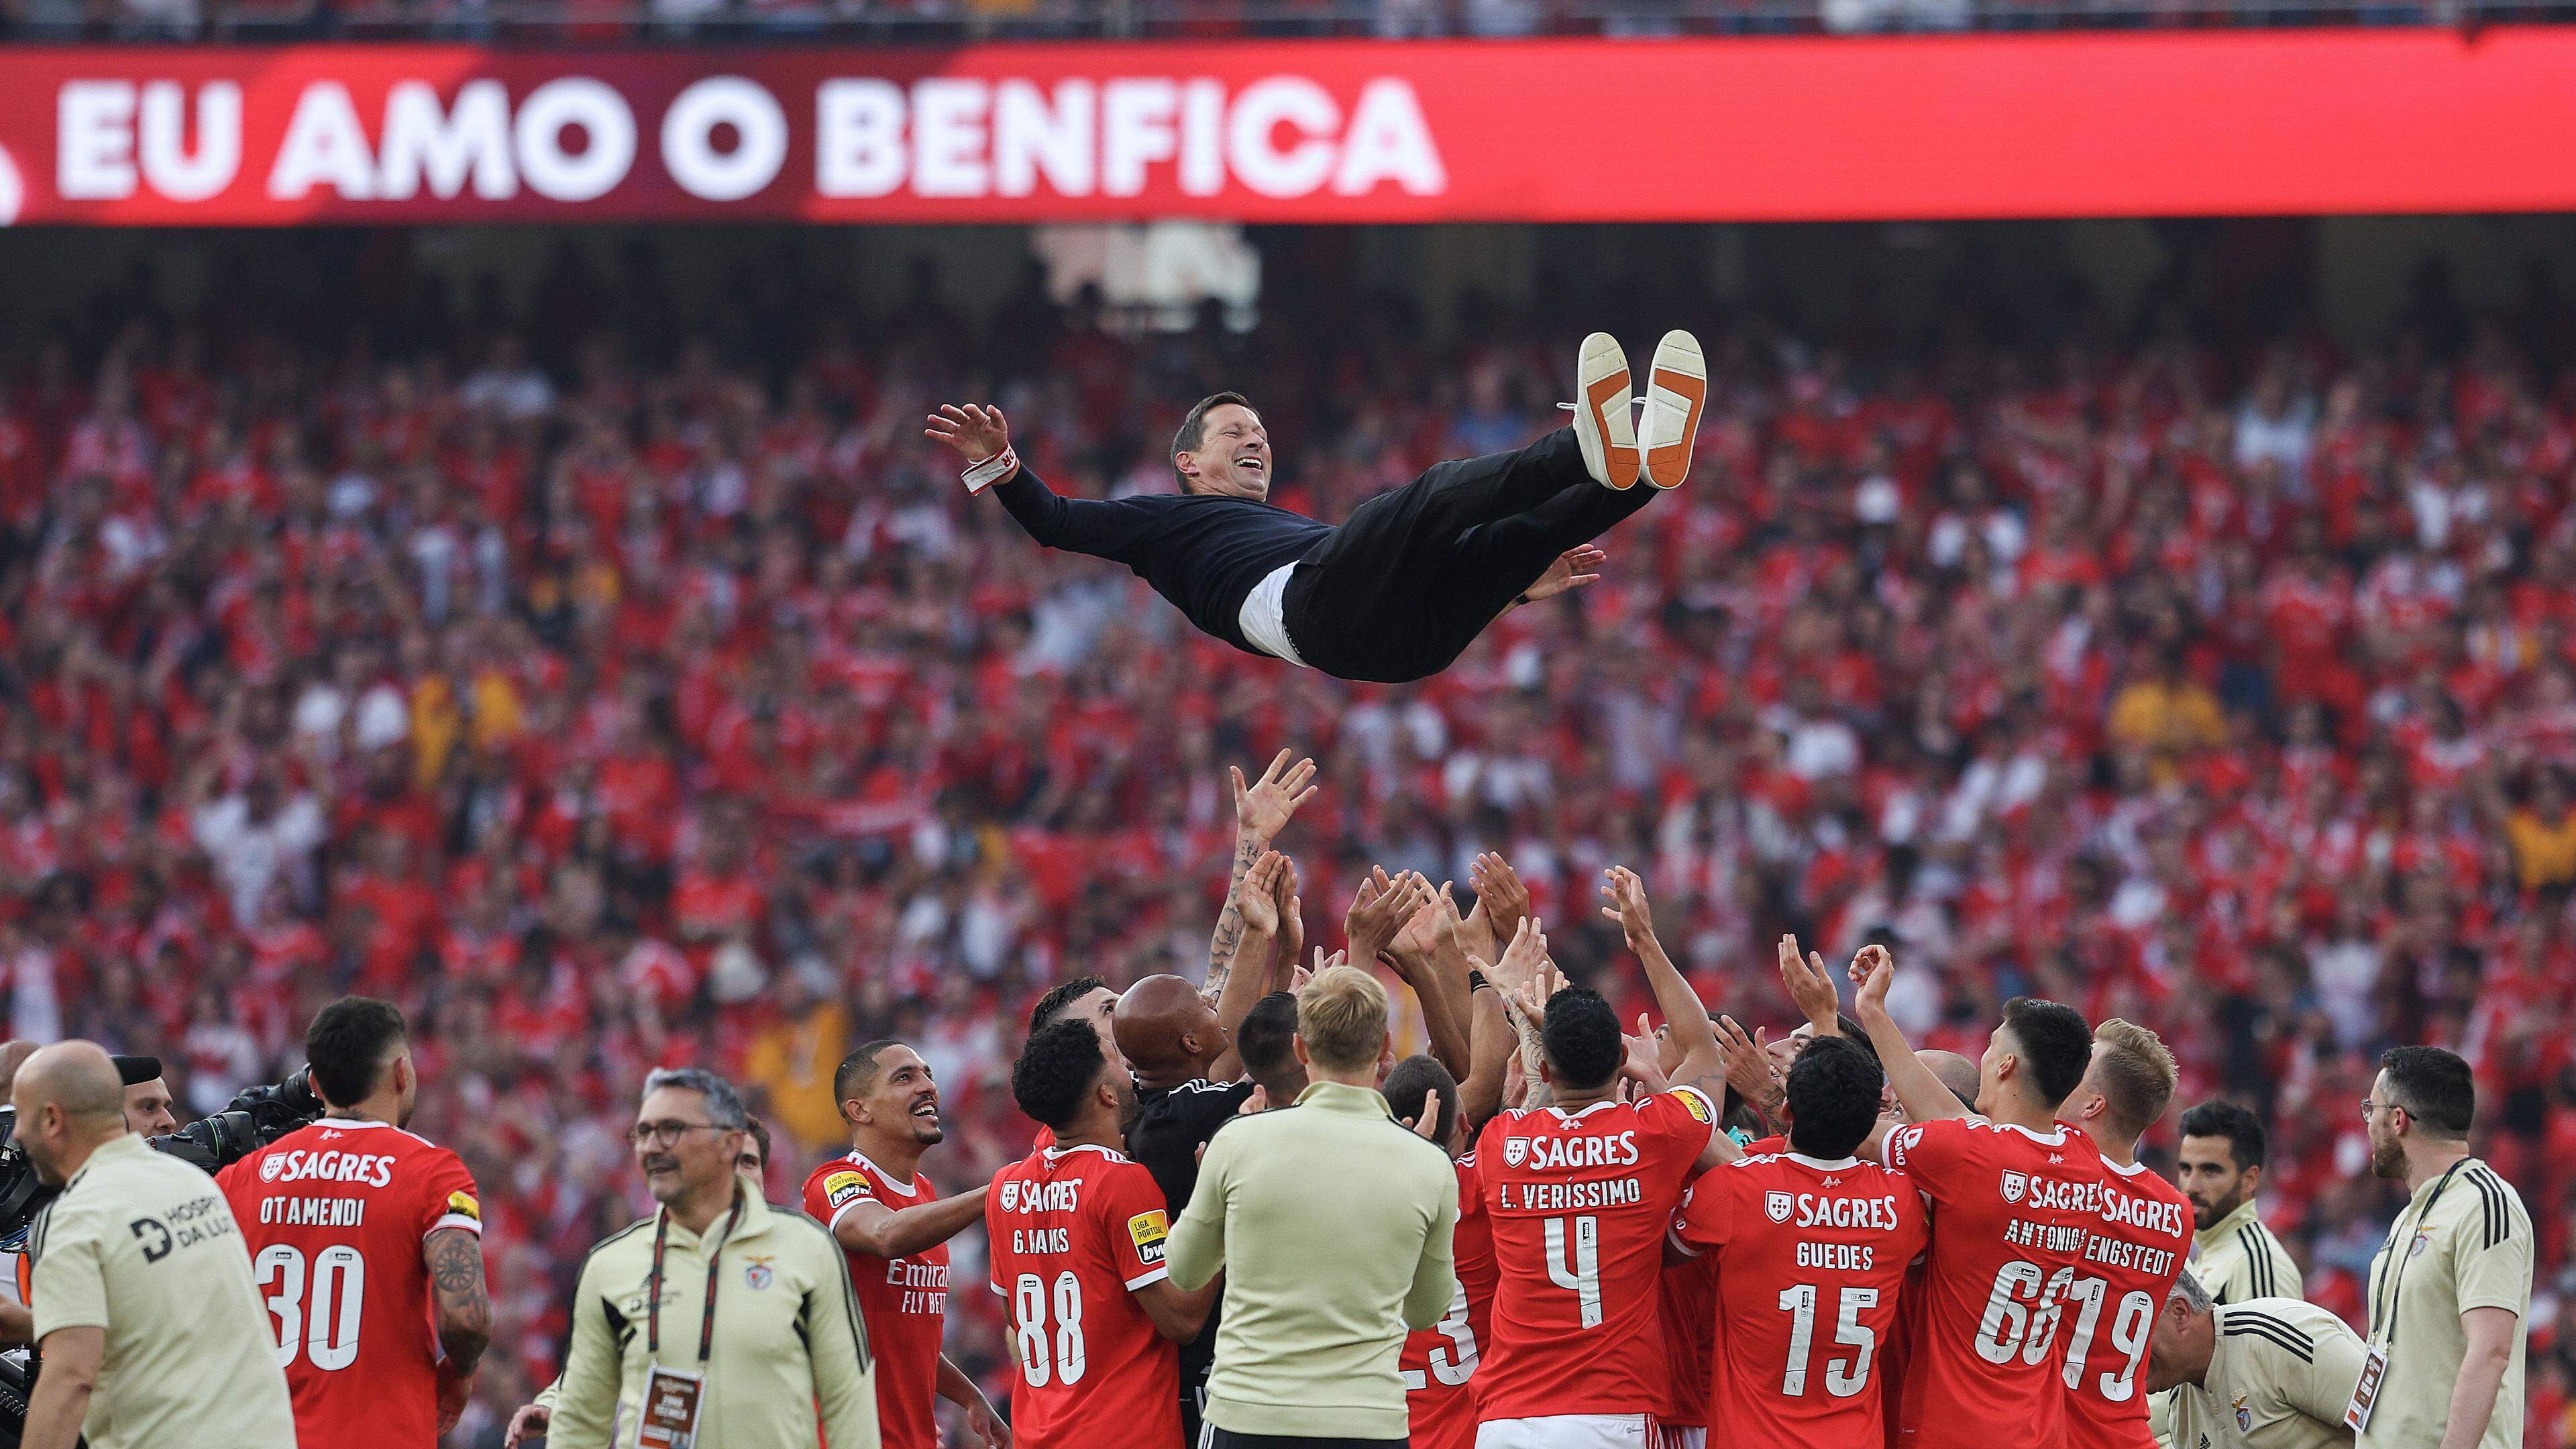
column 1476, row 981
column 992, row 470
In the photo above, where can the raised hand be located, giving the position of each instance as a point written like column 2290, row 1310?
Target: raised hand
column 1263, row 808
column 1626, row 893
column 1572, row 570
column 1427, row 1121
column 1424, row 931
column 1810, row 989
column 976, row 431
column 1256, row 897
column 1875, row 970
column 1748, row 1064
column 1292, row 912
column 1499, row 894
column 1380, row 910
column 1533, row 998
column 1519, row 967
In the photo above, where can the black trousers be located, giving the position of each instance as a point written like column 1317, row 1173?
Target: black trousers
column 1227, row 1439
column 1401, row 589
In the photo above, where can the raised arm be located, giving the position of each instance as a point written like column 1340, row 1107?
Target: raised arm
column 1918, row 1091
column 1255, row 905
column 1702, row 1064
column 981, row 435
column 1427, row 956
column 1261, row 810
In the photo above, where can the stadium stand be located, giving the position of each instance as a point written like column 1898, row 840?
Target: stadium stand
column 653, row 700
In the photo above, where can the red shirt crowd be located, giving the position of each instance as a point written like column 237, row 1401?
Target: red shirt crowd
column 616, row 714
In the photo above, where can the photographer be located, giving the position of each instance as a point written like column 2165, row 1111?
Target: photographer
column 152, row 1331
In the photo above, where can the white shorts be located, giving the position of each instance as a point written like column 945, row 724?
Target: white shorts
column 1569, row 1431
column 1678, row 1437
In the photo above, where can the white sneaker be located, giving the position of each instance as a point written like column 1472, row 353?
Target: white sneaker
column 1676, row 394
column 1603, row 422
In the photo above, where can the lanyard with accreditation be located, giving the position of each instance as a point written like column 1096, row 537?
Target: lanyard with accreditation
column 2374, row 1364
column 672, row 1396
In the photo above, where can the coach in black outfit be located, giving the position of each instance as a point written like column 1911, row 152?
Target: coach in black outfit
column 1399, row 590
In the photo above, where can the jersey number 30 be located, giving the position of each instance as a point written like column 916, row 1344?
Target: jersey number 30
column 316, row 1312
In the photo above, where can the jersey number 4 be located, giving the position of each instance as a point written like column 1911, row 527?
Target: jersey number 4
column 317, row 1311
column 1574, row 1262
column 1029, row 1306
column 1844, row 1377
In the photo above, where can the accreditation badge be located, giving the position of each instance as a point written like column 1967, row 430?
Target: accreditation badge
column 2374, row 1370
column 670, row 1419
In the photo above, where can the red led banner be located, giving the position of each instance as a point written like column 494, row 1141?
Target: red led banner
column 1821, row 128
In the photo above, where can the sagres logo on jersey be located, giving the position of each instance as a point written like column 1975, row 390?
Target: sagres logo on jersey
column 1778, row 1205
column 1515, row 1151
column 2015, row 1184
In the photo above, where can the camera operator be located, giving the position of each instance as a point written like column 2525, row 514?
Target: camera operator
column 152, row 1332
column 148, row 1102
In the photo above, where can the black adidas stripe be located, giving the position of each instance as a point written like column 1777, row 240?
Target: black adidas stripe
column 2255, row 1325
column 2258, row 1264
column 2498, row 1204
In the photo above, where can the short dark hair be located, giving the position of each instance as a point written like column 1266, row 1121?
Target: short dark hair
column 1581, row 1038
column 349, row 1043
column 1056, row 1070
column 1193, row 430
column 2056, row 1044
column 858, row 1069
column 1411, row 1078
column 759, row 1131
column 2222, row 1118
column 1833, row 1089
column 1267, row 1038
column 1858, row 1035
column 2434, row 1086
column 1060, row 999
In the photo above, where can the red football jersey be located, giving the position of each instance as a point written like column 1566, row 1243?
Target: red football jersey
column 1811, row 1256
column 1687, row 1299
column 2138, row 1245
column 2012, row 1210
column 334, row 1214
column 1439, row 1362
column 904, row 1300
column 1579, row 1203
column 1075, row 1231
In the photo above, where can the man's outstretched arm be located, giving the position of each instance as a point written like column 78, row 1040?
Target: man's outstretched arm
column 1918, row 1091
column 981, row 434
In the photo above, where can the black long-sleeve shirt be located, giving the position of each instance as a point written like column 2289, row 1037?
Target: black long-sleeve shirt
column 1201, row 551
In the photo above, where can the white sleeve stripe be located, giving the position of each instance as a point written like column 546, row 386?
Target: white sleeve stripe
column 1156, row 1276
column 844, row 1209
column 1685, row 1249
column 998, row 1290
column 457, row 1220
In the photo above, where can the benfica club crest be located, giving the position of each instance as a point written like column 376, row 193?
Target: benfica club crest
column 2015, row 1184
column 1776, row 1206
column 1515, row 1151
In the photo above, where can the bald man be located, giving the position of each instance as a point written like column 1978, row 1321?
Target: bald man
column 1189, row 1082
column 1954, row 1071
column 151, row 1326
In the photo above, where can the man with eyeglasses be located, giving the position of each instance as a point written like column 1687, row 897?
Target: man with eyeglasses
column 2451, row 1288
column 718, row 1321
column 531, row 1418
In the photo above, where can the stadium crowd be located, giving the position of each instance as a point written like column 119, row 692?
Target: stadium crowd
column 649, row 702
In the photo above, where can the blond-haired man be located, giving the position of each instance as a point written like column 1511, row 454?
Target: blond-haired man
column 1332, row 1224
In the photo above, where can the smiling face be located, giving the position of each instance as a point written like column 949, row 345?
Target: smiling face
column 1232, row 459
column 902, row 1100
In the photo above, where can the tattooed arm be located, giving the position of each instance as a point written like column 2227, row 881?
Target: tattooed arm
column 462, row 1307
column 1261, row 811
